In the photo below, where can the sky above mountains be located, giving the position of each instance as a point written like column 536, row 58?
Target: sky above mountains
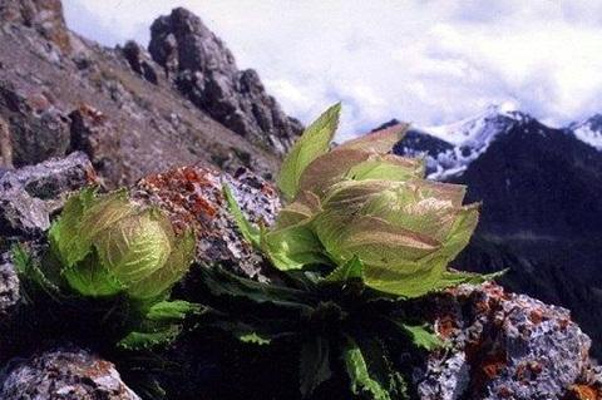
column 425, row 61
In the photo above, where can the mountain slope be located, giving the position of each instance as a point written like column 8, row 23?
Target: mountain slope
column 60, row 92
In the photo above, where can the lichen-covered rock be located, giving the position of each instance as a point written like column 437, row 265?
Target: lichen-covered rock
column 502, row 346
column 64, row 375
column 205, row 71
column 192, row 196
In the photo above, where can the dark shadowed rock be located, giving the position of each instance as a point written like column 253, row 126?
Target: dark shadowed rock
column 64, row 374
column 94, row 134
column 205, row 71
column 140, row 61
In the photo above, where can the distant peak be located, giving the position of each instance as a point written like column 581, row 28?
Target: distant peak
column 505, row 107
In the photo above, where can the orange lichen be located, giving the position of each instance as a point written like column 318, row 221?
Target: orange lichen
column 583, row 392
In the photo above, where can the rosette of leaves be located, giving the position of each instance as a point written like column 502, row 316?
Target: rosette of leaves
column 110, row 264
column 362, row 232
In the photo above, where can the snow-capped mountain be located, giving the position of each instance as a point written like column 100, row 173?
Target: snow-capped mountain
column 450, row 149
column 540, row 189
column 589, row 131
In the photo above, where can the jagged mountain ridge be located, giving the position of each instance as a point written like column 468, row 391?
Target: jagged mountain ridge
column 125, row 107
column 541, row 215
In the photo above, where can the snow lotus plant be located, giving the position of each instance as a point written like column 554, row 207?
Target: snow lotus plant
column 362, row 232
column 106, row 247
column 357, row 200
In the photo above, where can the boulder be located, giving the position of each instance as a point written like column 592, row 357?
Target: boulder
column 64, row 374
column 503, row 345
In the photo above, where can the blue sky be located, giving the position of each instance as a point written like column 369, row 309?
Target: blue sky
column 423, row 61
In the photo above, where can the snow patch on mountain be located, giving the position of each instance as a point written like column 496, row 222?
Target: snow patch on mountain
column 468, row 138
column 589, row 131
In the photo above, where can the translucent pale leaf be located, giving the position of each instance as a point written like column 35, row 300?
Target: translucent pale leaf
column 377, row 142
column 294, row 247
column 388, row 167
column 314, row 142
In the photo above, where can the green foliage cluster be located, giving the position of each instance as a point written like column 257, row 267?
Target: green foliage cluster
column 108, row 251
column 362, row 232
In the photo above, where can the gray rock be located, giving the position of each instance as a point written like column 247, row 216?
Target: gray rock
column 37, row 130
column 45, row 16
column 9, row 287
column 64, row 374
column 28, row 195
column 205, row 71
column 140, row 61
column 503, row 346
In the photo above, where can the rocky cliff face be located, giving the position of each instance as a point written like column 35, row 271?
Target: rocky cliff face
column 60, row 92
column 204, row 70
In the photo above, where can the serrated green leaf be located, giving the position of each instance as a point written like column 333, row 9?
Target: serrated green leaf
column 421, row 337
column 145, row 340
column 29, row 272
column 314, row 142
column 247, row 230
column 357, row 369
column 218, row 282
column 314, row 367
column 254, row 338
column 175, row 310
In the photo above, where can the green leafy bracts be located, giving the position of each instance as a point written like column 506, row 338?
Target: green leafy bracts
column 108, row 245
column 362, row 232
column 358, row 200
column 111, row 257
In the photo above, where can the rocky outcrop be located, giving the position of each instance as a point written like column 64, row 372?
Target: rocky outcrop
column 113, row 104
column 64, row 374
column 205, row 71
column 500, row 345
column 140, row 61
column 503, row 346
column 45, row 16
column 35, row 128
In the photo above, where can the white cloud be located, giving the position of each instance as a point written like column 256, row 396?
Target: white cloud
column 425, row 61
